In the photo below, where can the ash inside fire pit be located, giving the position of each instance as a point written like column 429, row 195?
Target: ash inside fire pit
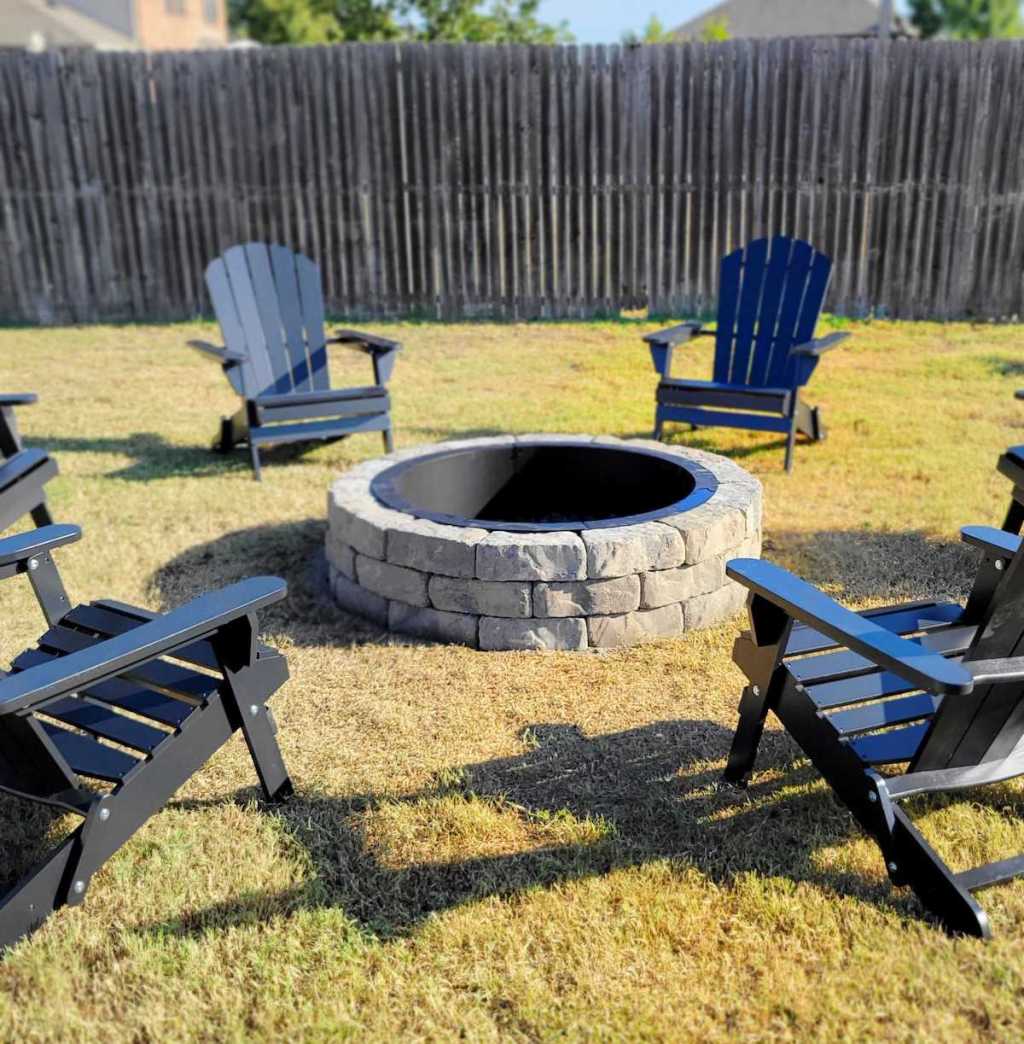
column 536, row 487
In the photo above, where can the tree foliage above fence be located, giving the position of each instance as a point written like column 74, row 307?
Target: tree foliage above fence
column 462, row 181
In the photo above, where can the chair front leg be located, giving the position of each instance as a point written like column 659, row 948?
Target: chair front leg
column 1014, row 520
column 758, row 653
column 383, row 365
column 251, row 681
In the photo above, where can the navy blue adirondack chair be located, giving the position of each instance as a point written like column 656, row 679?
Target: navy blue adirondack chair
column 770, row 296
column 269, row 303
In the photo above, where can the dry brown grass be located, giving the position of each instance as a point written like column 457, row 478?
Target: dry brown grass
column 510, row 845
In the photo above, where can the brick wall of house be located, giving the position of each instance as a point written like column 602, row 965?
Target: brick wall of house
column 162, row 25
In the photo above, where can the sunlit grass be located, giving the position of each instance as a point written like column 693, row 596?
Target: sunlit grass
column 510, row 845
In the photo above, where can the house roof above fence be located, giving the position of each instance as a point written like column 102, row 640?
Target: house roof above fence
column 763, row 18
column 37, row 25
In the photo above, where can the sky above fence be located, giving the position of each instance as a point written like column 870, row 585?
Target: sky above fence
column 604, row 21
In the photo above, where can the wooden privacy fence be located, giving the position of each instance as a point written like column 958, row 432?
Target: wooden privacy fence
column 468, row 181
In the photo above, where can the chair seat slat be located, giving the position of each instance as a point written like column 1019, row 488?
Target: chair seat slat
column 110, row 619
column 829, row 666
column 107, row 724
column 90, row 758
column 158, row 673
column 122, row 694
column 902, row 620
column 888, row 748
column 883, row 713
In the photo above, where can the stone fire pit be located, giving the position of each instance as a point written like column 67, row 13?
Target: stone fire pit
column 542, row 541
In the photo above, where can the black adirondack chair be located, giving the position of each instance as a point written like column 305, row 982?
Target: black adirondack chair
column 269, row 303
column 932, row 690
column 116, row 707
column 770, row 297
column 23, row 472
column 1011, row 464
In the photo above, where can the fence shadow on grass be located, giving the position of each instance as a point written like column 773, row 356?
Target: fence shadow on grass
column 653, row 793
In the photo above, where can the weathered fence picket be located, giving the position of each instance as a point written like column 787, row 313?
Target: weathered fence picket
column 468, row 181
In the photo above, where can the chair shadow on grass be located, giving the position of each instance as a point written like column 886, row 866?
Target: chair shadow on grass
column 858, row 565
column 156, row 458
column 153, row 457
column 652, row 793
column 293, row 551
column 1005, row 365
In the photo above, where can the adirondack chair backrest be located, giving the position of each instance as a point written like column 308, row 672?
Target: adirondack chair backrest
column 769, row 298
column 987, row 724
column 269, row 303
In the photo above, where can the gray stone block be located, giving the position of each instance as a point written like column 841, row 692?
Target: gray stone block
column 392, row 581
column 664, row 546
column 341, row 557
column 349, row 525
column 433, row 548
column 613, row 632
column 711, row 609
column 567, row 633
column 432, row 624
column 665, row 586
column 531, row 556
column 512, row 598
column 355, row 599
column 587, row 597
column 613, row 552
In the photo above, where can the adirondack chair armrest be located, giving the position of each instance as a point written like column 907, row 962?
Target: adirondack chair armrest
column 988, row 672
column 996, row 542
column 662, row 342
column 222, row 355
column 820, row 345
column 366, row 342
column 674, row 335
column 18, row 398
column 201, row 617
column 24, row 546
column 806, row 604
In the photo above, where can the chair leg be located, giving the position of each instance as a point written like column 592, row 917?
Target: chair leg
column 790, row 442
column 808, row 421
column 224, row 442
column 658, row 425
column 753, row 712
column 1014, row 516
column 254, row 454
column 818, row 426
column 32, row 900
column 41, row 515
column 389, row 442
column 261, row 739
column 913, row 861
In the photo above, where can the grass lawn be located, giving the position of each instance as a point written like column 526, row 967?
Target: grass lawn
column 515, row 845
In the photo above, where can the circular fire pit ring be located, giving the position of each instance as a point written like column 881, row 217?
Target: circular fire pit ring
column 542, row 541
column 531, row 485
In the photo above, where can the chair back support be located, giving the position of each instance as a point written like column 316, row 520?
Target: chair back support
column 987, row 724
column 770, row 296
column 269, row 303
